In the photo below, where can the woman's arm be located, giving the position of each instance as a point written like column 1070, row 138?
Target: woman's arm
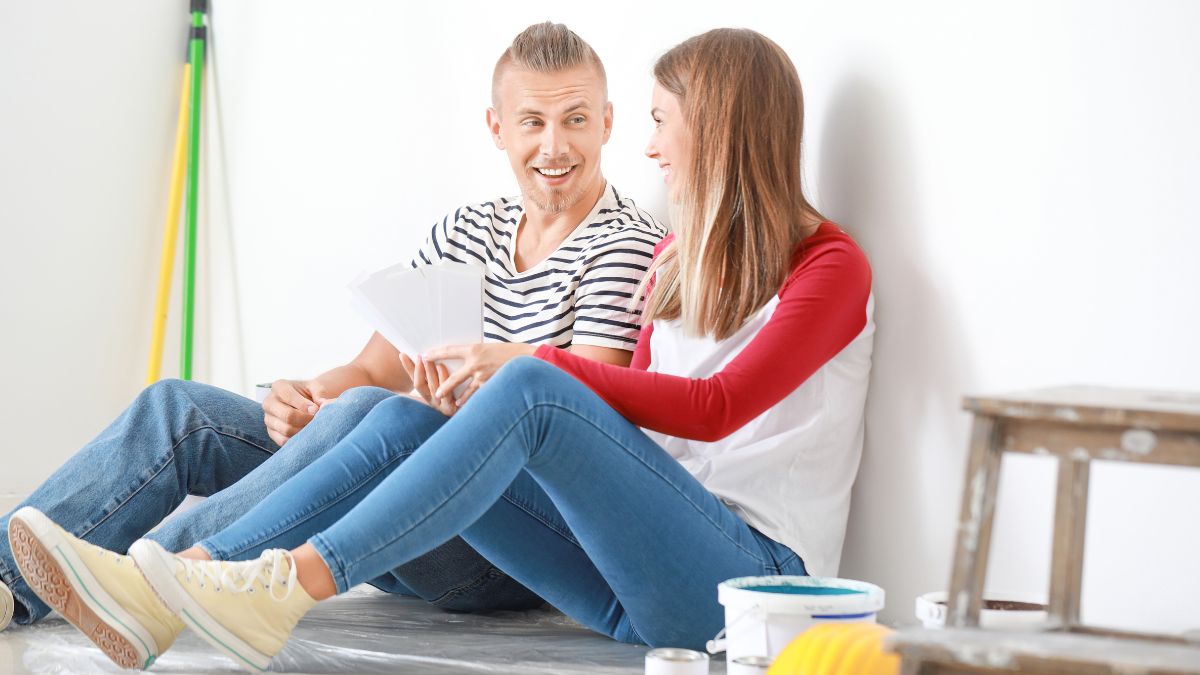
column 821, row 309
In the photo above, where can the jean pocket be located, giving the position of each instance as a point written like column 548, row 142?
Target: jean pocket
column 780, row 559
column 791, row 564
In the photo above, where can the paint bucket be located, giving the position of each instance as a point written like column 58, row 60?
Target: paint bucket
column 764, row 614
column 1001, row 609
column 672, row 661
column 748, row 665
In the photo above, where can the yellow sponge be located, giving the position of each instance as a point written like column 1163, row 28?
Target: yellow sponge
column 837, row 649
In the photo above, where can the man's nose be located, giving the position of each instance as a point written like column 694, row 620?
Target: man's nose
column 554, row 141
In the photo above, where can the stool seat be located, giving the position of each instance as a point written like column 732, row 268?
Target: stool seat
column 972, row 650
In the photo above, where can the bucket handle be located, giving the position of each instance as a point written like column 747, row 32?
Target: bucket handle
column 717, row 644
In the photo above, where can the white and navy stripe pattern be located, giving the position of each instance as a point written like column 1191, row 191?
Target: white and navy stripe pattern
column 579, row 295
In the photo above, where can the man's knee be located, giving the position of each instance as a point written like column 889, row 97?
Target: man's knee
column 360, row 400
column 171, row 389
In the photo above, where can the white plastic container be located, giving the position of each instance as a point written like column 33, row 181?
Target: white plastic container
column 672, row 661
column 932, row 610
column 764, row 614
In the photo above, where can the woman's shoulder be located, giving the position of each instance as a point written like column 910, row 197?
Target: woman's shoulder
column 829, row 253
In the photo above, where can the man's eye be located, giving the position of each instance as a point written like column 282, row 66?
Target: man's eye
column 578, row 119
column 531, row 123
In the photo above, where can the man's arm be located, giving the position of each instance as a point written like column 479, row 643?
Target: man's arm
column 292, row 404
column 377, row 365
column 618, row 357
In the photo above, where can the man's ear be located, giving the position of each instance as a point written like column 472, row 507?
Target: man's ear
column 493, row 122
column 608, row 120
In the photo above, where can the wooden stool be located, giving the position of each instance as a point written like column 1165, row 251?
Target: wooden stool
column 1076, row 425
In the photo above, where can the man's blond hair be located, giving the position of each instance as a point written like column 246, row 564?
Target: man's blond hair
column 547, row 48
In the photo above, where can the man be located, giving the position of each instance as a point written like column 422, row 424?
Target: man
column 562, row 263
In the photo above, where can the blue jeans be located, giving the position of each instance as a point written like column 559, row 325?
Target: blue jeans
column 179, row 438
column 544, row 479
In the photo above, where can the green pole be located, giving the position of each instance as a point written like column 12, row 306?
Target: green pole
column 196, row 59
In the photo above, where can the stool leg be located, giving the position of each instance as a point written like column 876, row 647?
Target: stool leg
column 975, row 524
column 1066, row 562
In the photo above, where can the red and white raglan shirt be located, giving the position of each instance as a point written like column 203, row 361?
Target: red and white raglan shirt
column 769, row 420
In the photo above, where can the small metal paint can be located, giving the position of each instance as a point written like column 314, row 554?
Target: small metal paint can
column 672, row 661
column 748, row 665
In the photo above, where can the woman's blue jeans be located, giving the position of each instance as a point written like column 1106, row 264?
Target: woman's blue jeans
column 182, row 438
column 544, row 479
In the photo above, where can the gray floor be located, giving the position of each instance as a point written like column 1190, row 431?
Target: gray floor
column 364, row 631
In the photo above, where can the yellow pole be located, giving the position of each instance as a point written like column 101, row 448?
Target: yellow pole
column 171, row 231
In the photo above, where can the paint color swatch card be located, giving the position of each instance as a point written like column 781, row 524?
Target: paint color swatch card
column 421, row 308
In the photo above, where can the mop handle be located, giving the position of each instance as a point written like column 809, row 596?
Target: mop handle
column 196, row 59
column 170, row 230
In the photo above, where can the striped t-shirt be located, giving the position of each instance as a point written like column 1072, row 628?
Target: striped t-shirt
column 578, row 295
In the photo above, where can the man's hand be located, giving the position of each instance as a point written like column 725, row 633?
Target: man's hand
column 480, row 362
column 426, row 377
column 289, row 407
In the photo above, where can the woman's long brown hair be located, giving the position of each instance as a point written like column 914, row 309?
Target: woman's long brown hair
column 742, row 210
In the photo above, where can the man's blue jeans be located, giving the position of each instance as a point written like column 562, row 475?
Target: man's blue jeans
column 184, row 438
column 542, row 477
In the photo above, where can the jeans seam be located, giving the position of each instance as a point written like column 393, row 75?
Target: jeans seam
column 317, row 510
column 492, row 572
column 170, row 460
column 504, row 437
column 536, row 515
column 14, row 573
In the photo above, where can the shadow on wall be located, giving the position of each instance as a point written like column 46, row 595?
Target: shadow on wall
column 906, row 498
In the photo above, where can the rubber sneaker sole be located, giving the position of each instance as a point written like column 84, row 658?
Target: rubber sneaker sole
column 157, row 565
column 54, row 570
column 6, row 606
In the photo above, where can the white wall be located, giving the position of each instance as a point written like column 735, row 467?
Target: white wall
column 1018, row 174
column 88, row 96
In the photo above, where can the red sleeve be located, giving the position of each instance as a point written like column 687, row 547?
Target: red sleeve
column 822, row 308
column 641, row 352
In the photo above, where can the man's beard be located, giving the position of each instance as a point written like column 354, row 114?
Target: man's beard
column 553, row 200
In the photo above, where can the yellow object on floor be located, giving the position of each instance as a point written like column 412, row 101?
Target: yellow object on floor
column 837, row 649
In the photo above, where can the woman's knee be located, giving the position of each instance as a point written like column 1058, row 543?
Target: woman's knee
column 529, row 373
column 403, row 413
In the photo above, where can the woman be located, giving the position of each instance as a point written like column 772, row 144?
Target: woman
column 622, row 496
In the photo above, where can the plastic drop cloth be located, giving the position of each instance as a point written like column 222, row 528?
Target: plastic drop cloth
column 363, row 631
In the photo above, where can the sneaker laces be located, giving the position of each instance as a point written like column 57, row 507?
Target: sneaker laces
column 241, row 577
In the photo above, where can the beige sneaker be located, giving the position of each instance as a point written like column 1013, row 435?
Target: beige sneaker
column 100, row 592
column 245, row 609
column 6, row 606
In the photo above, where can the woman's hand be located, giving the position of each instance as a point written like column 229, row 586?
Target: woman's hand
column 480, row 362
column 426, row 377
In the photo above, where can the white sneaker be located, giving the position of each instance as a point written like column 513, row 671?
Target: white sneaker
column 6, row 606
column 245, row 609
column 100, row 592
